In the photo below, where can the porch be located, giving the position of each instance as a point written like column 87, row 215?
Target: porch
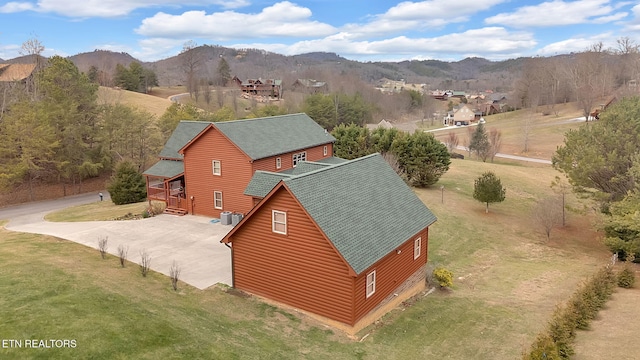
column 165, row 182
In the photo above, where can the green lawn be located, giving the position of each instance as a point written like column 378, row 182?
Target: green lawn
column 507, row 281
column 100, row 210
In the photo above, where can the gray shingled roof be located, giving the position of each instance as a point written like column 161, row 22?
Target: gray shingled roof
column 166, row 169
column 363, row 207
column 263, row 182
column 264, row 137
column 184, row 132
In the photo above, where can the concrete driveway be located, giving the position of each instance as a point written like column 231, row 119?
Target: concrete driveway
column 192, row 241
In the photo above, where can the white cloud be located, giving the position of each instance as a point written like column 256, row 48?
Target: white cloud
column 489, row 42
column 634, row 24
column 577, row 44
column 555, row 13
column 107, row 8
column 418, row 16
column 13, row 7
column 282, row 19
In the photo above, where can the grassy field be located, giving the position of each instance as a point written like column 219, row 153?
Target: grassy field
column 507, row 281
column 99, row 210
column 545, row 132
column 153, row 104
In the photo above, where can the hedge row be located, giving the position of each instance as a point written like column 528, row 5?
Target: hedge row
column 556, row 342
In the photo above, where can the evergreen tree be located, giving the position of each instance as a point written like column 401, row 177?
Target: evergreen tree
column 224, row 72
column 488, row 189
column 480, row 143
column 127, row 185
column 421, row 157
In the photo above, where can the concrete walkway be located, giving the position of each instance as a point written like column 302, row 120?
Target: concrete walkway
column 192, row 241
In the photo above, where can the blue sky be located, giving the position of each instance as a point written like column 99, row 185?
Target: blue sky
column 364, row 30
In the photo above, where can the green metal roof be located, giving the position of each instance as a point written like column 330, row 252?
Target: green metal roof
column 264, row 137
column 166, row 168
column 184, row 132
column 363, row 207
column 263, row 182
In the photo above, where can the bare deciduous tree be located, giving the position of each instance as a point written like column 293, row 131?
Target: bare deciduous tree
column 561, row 187
column 174, row 274
column 190, row 64
column 103, row 246
column 451, row 141
column 547, row 214
column 145, row 262
column 495, row 142
column 123, row 250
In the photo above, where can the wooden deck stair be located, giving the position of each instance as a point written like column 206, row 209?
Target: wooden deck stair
column 175, row 211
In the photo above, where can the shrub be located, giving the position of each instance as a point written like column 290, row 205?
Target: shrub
column 174, row 273
column 578, row 312
column 443, row 276
column 543, row 349
column 102, row 246
column 123, row 250
column 145, row 262
column 127, row 185
column 157, row 207
column 626, row 277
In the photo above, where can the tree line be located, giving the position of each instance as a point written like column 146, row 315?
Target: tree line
column 419, row 158
column 602, row 162
column 57, row 132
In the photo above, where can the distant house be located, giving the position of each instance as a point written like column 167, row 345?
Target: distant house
column 270, row 88
column 205, row 167
column 16, row 73
column 344, row 240
column 383, row 124
column 463, row 114
column 310, row 86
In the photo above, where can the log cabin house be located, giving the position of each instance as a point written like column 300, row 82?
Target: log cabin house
column 344, row 241
column 269, row 88
column 204, row 167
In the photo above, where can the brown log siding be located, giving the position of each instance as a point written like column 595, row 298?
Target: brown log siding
column 391, row 272
column 235, row 169
column 301, row 269
column 313, row 154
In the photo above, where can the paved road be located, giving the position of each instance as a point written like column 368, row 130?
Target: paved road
column 192, row 241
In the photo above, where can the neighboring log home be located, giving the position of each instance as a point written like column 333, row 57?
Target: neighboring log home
column 346, row 240
column 205, row 167
column 269, row 88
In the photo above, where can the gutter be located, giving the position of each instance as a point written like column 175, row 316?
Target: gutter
column 233, row 268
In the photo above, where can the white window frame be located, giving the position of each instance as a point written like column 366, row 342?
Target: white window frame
column 325, row 150
column 297, row 157
column 213, row 167
column 278, row 163
column 417, row 247
column 274, row 222
column 217, row 197
column 371, row 283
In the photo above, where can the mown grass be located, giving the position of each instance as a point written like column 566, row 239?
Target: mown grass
column 96, row 211
column 152, row 104
column 507, row 281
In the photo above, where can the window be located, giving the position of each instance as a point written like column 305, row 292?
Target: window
column 299, row 157
column 325, row 150
column 279, row 222
column 278, row 163
column 417, row 245
column 371, row 283
column 215, row 165
column 217, row 199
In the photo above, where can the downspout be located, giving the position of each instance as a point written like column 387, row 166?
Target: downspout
column 233, row 269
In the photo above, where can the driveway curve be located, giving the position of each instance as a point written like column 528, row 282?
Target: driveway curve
column 193, row 242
